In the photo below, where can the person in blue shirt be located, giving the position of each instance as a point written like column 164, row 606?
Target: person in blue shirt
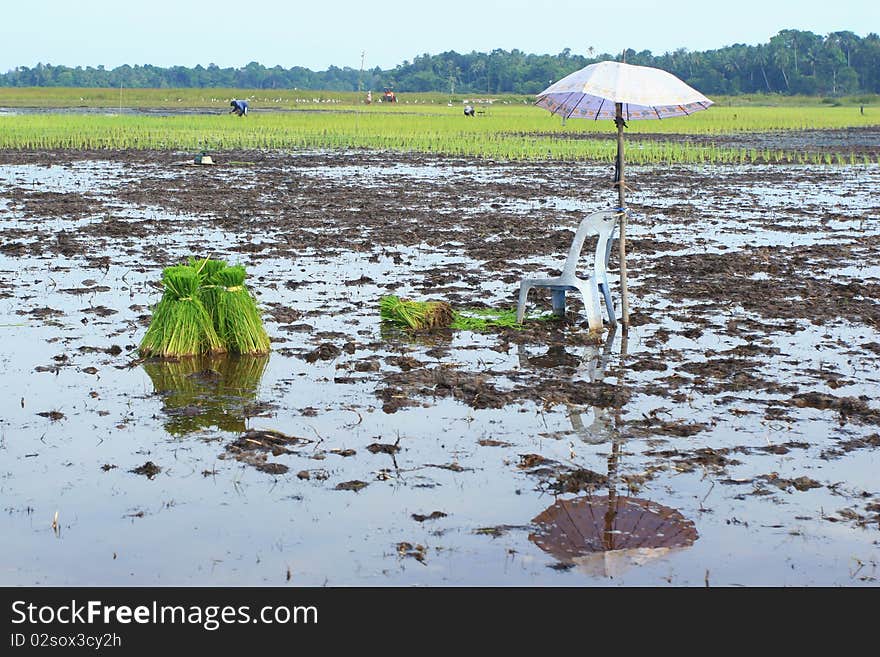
column 239, row 107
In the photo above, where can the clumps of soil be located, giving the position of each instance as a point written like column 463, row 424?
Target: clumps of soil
column 849, row 445
column 434, row 515
column 148, row 469
column 453, row 467
column 281, row 314
column 254, row 447
column 442, row 381
column 324, row 351
column 848, row 407
column 271, row 468
column 52, row 415
column 870, row 517
column 552, row 392
column 783, row 448
column 784, row 294
column 417, row 551
column 318, row 475
column 532, row 461
column 490, row 442
column 405, row 363
column 366, row 365
column 500, row 530
column 557, row 478
column 798, row 483
column 354, row 485
column 653, row 425
column 383, row 448
column 577, row 480
column 713, row 460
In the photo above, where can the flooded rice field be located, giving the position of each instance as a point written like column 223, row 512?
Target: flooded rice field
column 731, row 437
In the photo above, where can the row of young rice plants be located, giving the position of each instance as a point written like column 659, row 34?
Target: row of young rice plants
column 503, row 133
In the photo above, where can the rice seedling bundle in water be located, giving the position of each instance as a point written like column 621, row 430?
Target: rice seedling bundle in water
column 239, row 322
column 416, row 315
column 180, row 326
column 422, row 315
column 209, row 286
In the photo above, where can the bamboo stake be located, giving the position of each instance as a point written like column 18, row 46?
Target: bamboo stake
column 620, row 182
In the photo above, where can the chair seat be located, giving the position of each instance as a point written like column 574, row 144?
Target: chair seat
column 602, row 224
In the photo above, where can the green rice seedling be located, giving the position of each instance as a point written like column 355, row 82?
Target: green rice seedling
column 209, row 288
column 482, row 319
column 238, row 317
column 415, row 315
column 514, row 131
column 180, row 325
column 206, row 268
column 425, row 315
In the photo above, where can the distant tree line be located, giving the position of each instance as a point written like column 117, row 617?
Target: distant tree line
column 793, row 62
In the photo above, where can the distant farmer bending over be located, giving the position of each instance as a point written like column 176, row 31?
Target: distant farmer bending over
column 239, row 107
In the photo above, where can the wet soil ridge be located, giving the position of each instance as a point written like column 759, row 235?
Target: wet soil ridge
column 255, row 446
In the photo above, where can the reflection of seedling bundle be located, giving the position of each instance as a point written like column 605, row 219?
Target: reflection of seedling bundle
column 180, row 326
column 238, row 318
column 208, row 391
column 206, row 309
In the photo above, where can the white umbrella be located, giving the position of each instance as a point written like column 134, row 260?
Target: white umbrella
column 622, row 92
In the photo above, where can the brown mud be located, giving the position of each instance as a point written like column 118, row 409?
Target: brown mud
column 751, row 363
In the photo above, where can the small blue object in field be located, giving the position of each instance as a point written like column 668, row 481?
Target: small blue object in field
column 239, row 107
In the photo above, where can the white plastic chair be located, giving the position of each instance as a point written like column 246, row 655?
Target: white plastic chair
column 603, row 224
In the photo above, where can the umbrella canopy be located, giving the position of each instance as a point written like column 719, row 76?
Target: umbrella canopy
column 645, row 93
column 619, row 91
column 602, row 534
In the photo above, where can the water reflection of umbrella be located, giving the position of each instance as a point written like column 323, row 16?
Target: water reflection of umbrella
column 622, row 92
column 208, row 391
column 604, row 534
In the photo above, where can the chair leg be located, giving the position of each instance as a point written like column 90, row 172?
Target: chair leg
column 590, row 293
column 524, row 288
column 609, row 304
column 558, row 302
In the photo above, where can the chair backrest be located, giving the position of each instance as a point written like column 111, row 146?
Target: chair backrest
column 600, row 223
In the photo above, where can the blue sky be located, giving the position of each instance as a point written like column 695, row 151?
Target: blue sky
column 318, row 34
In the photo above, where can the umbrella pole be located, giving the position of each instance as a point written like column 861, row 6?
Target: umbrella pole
column 624, row 294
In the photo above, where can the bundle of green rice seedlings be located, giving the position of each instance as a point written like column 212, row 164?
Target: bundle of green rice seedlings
column 238, row 317
column 206, row 268
column 421, row 315
column 180, row 326
column 209, row 288
column 415, row 315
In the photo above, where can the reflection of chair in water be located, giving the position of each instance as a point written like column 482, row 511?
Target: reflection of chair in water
column 602, row 224
column 207, row 391
column 603, row 534
column 593, row 364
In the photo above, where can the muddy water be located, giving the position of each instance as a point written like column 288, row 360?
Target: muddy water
column 731, row 437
